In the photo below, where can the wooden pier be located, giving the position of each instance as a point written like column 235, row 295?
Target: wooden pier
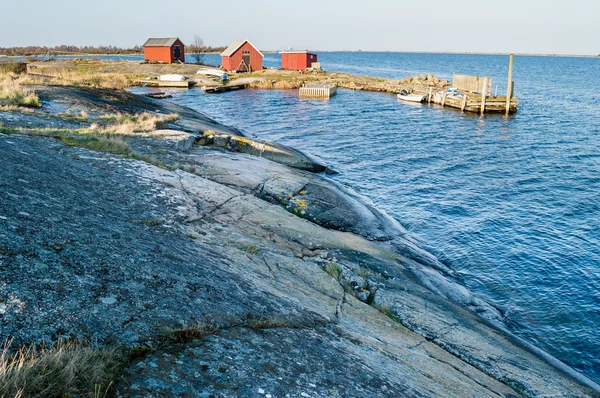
column 223, row 88
column 473, row 94
column 318, row 91
column 164, row 83
column 473, row 102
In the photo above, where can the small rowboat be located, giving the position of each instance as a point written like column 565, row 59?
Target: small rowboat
column 405, row 96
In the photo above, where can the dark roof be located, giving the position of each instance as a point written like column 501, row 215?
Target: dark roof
column 235, row 46
column 297, row 52
column 160, row 42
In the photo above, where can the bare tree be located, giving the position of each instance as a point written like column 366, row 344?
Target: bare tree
column 197, row 48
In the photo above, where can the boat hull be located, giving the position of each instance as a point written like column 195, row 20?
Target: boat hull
column 411, row 97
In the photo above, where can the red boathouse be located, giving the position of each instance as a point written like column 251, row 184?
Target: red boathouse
column 241, row 56
column 168, row 50
column 297, row 60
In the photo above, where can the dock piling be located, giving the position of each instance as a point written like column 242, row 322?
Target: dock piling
column 509, row 86
column 464, row 103
column 484, row 94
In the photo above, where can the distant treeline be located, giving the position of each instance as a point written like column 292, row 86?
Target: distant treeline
column 204, row 49
column 32, row 51
column 64, row 49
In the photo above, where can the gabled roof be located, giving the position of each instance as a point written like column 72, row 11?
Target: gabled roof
column 235, row 46
column 160, row 42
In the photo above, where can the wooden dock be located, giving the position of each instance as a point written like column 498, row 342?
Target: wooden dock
column 223, row 88
column 318, row 91
column 164, row 83
column 473, row 94
column 473, row 102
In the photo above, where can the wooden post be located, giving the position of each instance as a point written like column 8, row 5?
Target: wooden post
column 444, row 99
column 464, row 103
column 509, row 85
column 484, row 94
column 429, row 98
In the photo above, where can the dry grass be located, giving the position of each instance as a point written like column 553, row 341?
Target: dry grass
column 84, row 139
column 123, row 124
column 64, row 369
column 387, row 311
column 94, row 79
column 86, row 75
column 98, row 142
column 13, row 93
column 190, row 333
column 276, row 322
column 101, row 142
column 334, row 270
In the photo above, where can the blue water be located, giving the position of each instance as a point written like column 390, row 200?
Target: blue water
column 512, row 204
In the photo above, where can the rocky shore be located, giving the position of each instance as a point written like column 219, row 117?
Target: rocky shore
column 214, row 264
column 119, row 74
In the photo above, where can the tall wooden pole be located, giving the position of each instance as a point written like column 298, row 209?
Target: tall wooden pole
column 484, row 93
column 509, row 87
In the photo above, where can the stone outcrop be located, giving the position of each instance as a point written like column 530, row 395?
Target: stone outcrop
column 307, row 288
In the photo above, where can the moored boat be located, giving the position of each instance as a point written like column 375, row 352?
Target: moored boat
column 406, row 96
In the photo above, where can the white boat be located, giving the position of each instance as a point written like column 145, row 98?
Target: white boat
column 411, row 97
column 211, row 72
column 172, row 78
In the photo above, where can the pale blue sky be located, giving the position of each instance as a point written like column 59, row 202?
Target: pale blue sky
column 522, row 26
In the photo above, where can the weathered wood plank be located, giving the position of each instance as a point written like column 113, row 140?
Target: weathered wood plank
column 509, row 86
column 164, row 83
column 470, row 83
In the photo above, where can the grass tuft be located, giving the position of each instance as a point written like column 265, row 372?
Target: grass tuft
column 387, row 311
column 191, row 333
column 12, row 93
column 98, row 142
column 252, row 249
column 147, row 159
column 334, row 270
column 275, row 322
column 123, row 124
column 139, row 352
column 64, row 369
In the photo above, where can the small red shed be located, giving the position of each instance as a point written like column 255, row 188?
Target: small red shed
column 168, row 50
column 241, row 56
column 297, row 60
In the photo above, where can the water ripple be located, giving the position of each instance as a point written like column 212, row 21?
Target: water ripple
column 512, row 204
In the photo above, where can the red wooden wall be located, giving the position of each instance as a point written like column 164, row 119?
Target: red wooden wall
column 234, row 62
column 164, row 54
column 297, row 60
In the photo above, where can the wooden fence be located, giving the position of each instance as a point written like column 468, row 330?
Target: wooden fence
column 471, row 83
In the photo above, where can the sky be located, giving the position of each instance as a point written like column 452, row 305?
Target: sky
column 519, row 26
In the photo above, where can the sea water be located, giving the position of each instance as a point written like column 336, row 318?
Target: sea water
column 511, row 203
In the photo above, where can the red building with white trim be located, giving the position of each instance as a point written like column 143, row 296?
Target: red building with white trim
column 241, row 56
column 297, row 60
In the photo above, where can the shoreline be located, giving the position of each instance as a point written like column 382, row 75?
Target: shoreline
column 400, row 259
column 496, row 323
column 557, row 55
